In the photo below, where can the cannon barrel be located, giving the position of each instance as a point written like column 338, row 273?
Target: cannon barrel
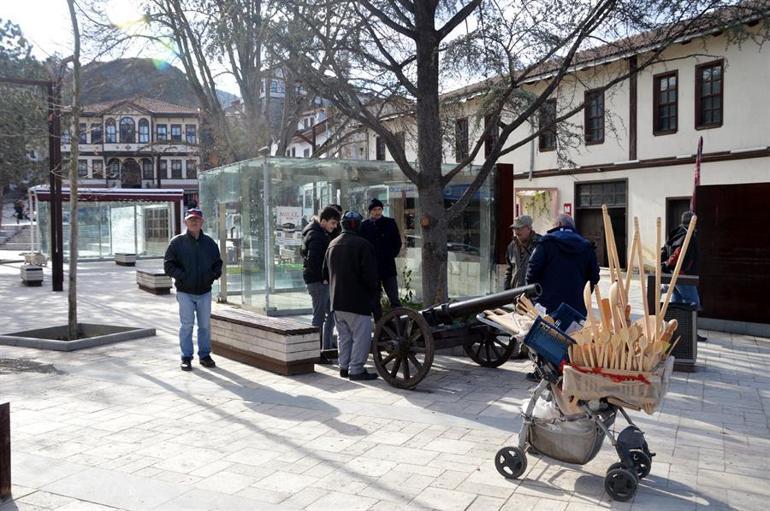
column 448, row 312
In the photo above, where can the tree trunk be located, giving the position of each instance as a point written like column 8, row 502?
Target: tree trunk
column 72, row 297
column 433, row 215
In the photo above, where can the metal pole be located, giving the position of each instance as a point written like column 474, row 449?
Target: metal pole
column 266, row 225
column 32, row 223
column 54, row 164
column 222, row 221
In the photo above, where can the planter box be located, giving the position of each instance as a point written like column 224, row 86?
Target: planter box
column 279, row 345
column 153, row 281
column 122, row 259
column 31, row 275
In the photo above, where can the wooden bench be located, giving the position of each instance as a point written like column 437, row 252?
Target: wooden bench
column 125, row 259
column 279, row 345
column 153, row 281
column 31, row 275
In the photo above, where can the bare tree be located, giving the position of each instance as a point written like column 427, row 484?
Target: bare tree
column 72, row 289
column 400, row 52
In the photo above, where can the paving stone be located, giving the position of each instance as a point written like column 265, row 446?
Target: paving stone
column 439, row 498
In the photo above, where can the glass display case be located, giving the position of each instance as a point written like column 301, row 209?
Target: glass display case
column 257, row 209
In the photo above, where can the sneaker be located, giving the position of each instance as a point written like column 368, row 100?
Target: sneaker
column 532, row 377
column 365, row 376
column 207, row 361
column 344, row 373
column 324, row 360
column 186, row 364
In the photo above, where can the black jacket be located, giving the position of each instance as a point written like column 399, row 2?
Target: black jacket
column 315, row 241
column 516, row 272
column 690, row 265
column 350, row 268
column 384, row 236
column 562, row 263
column 194, row 264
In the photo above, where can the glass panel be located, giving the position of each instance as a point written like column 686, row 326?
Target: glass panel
column 264, row 238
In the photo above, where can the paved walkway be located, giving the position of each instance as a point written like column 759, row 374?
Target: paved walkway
column 121, row 427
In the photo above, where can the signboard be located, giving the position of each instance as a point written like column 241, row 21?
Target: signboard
column 288, row 215
column 568, row 208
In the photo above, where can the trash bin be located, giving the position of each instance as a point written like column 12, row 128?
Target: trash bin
column 686, row 351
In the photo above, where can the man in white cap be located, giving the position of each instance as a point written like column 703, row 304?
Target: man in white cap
column 193, row 260
column 525, row 239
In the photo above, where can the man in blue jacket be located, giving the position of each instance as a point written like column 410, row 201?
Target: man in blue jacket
column 193, row 260
column 562, row 263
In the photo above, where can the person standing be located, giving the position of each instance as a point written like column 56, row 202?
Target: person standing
column 336, row 232
column 192, row 259
column 670, row 254
column 382, row 233
column 525, row 239
column 351, row 269
column 315, row 240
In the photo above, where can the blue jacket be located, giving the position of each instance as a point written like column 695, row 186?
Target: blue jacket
column 562, row 263
column 194, row 264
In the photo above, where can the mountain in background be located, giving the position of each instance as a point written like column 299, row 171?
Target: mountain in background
column 125, row 78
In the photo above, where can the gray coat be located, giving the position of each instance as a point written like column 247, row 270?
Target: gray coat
column 515, row 274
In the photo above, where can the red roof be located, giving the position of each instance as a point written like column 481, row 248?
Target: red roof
column 152, row 106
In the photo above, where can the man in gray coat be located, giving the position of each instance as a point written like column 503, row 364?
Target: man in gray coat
column 525, row 239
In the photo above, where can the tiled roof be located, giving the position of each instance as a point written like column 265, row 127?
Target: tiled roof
column 153, row 106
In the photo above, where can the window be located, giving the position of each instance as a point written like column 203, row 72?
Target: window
column 306, row 123
column 176, row 132
column 709, row 86
column 611, row 193
column 147, row 170
column 665, row 99
column 273, row 86
column 83, row 133
column 109, row 128
column 176, row 169
column 144, row 131
column 127, row 131
column 83, row 167
column 113, row 168
column 65, row 136
column 293, row 152
column 379, row 148
column 546, row 141
column 191, row 134
column 491, row 138
column 156, row 224
column 192, row 169
column 594, row 117
column 461, row 139
column 306, row 153
column 96, row 134
column 163, row 169
column 161, row 133
column 97, row 169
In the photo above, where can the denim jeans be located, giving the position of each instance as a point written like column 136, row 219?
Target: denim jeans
column 322, row 315
column 685, row 294
column 355, row 340
column 390, row 284
column 190, row 308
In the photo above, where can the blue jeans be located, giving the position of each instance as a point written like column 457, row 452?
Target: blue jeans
column 686, row 294
column 322, row 314
column 190, row 308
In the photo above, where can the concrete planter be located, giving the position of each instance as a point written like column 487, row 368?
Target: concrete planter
column 31, row 275
column 125, row 259
column 153, row 281
column 92, row 335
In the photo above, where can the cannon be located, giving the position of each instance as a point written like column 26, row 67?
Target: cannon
column 405, row 340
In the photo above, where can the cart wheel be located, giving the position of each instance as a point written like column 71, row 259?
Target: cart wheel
column 402, row 348
column 642, row 463
column 511, row 462
column 493, row 350
column 620, row 484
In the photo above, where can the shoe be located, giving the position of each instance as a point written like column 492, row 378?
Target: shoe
column 532, row 377
column 208, row 362
column 365, row 376
column 186, row 364
column 344, row 373
column 702, row 338
column 324, row 360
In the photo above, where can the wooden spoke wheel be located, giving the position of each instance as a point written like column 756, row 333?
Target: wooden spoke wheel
column 492, row 350
column 403, row 347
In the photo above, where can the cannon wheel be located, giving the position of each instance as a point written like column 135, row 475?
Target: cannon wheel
column 402, row 347
column 493, row 350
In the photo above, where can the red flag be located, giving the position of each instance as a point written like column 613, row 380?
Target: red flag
column 696, row 177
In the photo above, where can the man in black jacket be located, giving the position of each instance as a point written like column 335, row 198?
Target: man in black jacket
column 351, row 270
column 315, row 240
column 382, row 232
column 193, row 260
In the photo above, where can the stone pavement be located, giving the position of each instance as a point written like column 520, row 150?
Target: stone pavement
column 121, row 427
